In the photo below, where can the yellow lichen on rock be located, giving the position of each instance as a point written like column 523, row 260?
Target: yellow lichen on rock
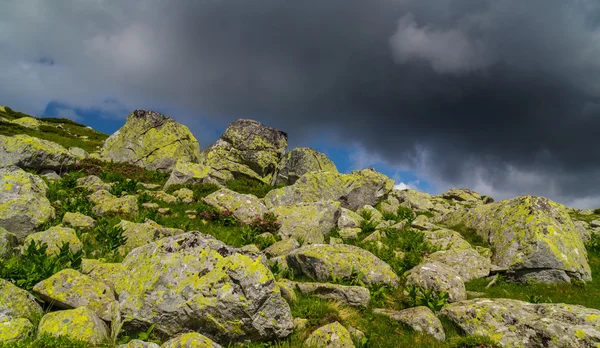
column 78, row 324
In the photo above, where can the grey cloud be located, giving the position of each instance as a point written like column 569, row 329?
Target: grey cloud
column 498, row 95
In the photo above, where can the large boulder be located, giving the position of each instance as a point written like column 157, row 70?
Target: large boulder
column 193, row 282
column 247, row 149
column 438, row 277
column 309, row 221
column 17, row 303
column 300, row 161
column 23, row 203
column 467, row 262
column 325, row 262
column 153, row 141
column 244, row 207
column 186, row 173
column 29, row 152
column 354, row 190
column 513, row 323
column 533, row 237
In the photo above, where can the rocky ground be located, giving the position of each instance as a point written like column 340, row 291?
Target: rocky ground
column 141, row 239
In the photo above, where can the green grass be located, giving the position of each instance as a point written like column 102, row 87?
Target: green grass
column 250, row 186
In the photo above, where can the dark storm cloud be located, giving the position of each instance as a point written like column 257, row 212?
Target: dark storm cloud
column 498, row 95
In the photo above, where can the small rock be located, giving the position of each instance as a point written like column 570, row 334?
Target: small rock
column 138, row 344
column 190, row 340
column 77, row 324
column 150, row 205
column 419, row 319
column 78, row 220
column 439, row 277
column 333, row 335
column 281, row 248
column 350, row 233
column 300, row 324
column 244, row 207
column 93, row 183
column 150, row 186
column 164, row 210
column 123, row 205
column 15, row 330
column 50, row 175
column 185, row 195
column 162, row 196
column 350, row 295
column 333, row 241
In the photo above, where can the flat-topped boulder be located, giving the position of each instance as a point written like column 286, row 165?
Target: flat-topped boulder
column 300, row 161
column 30, row 152
column 153, row 141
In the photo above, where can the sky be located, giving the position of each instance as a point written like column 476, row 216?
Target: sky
column 502, row 97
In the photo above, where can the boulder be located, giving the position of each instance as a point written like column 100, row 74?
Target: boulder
column 17, row 303
column 247, row 149
column 8, row 244
column 28, row 122
column 55, row 237
column 333, row 335
column 162, row 196
column 184, row 195
column 100, row 196
column 138, row 344
column 23, row 203
column 244, row 207
column 463, row 195
column 49, row 175
column 283, row 247
column 445, row 239
column 77, row 324
column 349, row 295
column 309, row 221
column 186, row 173
column 324, row 262
column 533, row 237
column 111, row 274
column 468, row 263
column 300, row 161
column 513, row 323
column 79, row 153
column 191, row 340
column 153, row 141
column 70, row 289
column 439, row 278
column 15, row 330
column 93, row 183
column 348, row 221
column 122, row 205
column 354, row 190
column 193, row 282
column 29, row 152
column 139, row 234
column 419, row 319
column 78, row 220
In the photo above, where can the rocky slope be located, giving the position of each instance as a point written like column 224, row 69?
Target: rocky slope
column 146, row 242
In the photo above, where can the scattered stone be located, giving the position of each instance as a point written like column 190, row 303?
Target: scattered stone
column 323, row 262
column 138, row 344
column 419, row 319
column 77, row 324
column 162, row 196
column 350, row 233
column 79, row 153
column 444, row 239
column 300, row 161
column 126, row 205
column 368, row 210
column 17, row 303
column 513, row 323
column 245, row 208
column 100, row 196
column 164, row 210
column 152, row 141
column 349, row 295
column 421, row 223
column 29, row 152
column 189, row 340
column 191, row 216
column 247, row 149
column 93, row 183
column 23, row 203
column 50, row 175
column 28, row 122
column 281, row 248
column 532, row 236
column 150, row 205
column 334, row 241
column 185, row 173
column 595, row 223
column 15, row 330
column 349, row 219
column 78, row 220
column 55, row 237
column 438, row 277
column 185, row 195
column 309, row 221
column 70, row 289
column 150, row 186
column 194, row 282
column 333, row 335
column 468, row 263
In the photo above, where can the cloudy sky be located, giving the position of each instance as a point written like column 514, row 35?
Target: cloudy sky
column 500, row 96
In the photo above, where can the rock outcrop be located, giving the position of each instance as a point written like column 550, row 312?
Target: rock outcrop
column 29, row 152
column 153, row 141
column 300, row 161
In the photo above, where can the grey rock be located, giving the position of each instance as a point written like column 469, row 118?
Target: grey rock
column 349, row 295
column 245, row 207
column 300, row 161
column 438, row 277
column 419, row 319
column 309, row 221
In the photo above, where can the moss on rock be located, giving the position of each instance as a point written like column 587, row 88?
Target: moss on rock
column 80, row 324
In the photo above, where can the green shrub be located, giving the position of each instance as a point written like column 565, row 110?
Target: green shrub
column 267, row 223
column 200, row 190
column 434, row 300
column 124, row 186
column 593, row 244
column 404, row 213
column 249, row 186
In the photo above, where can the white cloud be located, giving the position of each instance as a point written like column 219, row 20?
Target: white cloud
column 402, row 186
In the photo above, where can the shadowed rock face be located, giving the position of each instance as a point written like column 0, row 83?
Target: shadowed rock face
column 153, row 141
column 301, row 161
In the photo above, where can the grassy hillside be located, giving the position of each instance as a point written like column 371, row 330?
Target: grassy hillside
column 59, row 130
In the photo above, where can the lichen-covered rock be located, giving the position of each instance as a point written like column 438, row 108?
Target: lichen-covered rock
column 153, row 141
column 118, row 205
column 370, row 213
column 17, row 303
column 139, row 234
column 193, row 282
column 186, row 173
column 15, row 330
column 77, row 324
column 438, row 277
column 585, row 230
column 300, row 161
column 8, row 244
column 138, row 344
column 69, row 289
column 244, row 207
column 324, row 262
column 93, row 183
column 513, row 323
column 445, row 239
column 185, row 195
column 468, row 263
column 162, row 196
column 23, row 203
column 416, row 200
column 55, row 237
column 100, row 196
column 29, row 152
column 50, row 175
column 309, row 221
column 532, row 236
column 421, row 222
column 28, row 122
column 78, row 220
column 333, row 335
column 349, row 219
column 79, row 153
column 191, row 340
column 349, row 295
column 463, row 195
column 283, row 247
column 287, row 289
column 247, row 149
column 354, row 190
column 111, row 274
column 419, row 319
